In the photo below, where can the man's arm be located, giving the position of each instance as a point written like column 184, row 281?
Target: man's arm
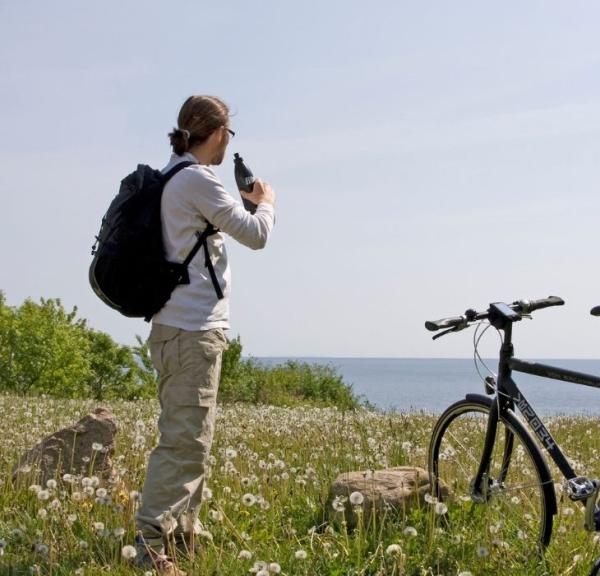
column 225, row 213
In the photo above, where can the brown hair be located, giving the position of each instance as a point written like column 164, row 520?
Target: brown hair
column 198, row 118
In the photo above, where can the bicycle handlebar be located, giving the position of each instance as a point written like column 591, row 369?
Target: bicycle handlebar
column 520, row 307
column 528, row 306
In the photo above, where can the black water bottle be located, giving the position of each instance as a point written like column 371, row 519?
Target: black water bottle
column 245, row 180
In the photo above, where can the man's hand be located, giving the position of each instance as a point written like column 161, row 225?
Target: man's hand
column 261, row 192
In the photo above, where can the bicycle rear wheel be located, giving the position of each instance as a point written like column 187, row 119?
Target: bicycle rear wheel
column 514, row 508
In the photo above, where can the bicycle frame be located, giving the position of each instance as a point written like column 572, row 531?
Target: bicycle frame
column 508, row 396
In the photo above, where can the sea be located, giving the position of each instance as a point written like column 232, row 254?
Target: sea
column 432, row 384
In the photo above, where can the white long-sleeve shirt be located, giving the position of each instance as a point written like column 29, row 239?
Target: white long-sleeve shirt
column 190, row 198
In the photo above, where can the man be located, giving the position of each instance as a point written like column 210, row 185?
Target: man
column 187, row 337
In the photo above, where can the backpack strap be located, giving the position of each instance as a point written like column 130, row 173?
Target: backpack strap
column 178, row 167
column 202, row 241
column 208, row 263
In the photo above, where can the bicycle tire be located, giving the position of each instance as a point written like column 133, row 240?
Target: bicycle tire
column 595, row 568
column 519, row 502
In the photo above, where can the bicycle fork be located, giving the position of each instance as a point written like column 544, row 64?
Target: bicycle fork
column 480, row 488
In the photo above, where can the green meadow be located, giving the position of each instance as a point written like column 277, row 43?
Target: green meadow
column 266, row 508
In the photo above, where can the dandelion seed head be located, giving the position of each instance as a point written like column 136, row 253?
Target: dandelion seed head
column 410, row 531
column 244, row 555
column 356, row 498
column 248, row 499
column 440, row 508
column 128, row 552
column 338, row 503
column 300, row 554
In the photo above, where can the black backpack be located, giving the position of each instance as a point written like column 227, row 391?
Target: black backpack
column 129, row 271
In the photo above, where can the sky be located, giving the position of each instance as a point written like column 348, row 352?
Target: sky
column 428, row 157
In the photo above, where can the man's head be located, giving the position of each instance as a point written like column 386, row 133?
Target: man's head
column 203, row 129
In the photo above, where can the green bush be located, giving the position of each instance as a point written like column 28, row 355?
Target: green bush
column 45, row 349
column 288, row 384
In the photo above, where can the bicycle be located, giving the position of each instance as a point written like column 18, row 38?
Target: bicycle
column 484, row 456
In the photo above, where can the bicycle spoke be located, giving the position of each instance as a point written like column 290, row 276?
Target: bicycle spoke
column 513, row 510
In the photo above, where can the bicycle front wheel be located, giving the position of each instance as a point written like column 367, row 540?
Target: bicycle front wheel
column 512, row 508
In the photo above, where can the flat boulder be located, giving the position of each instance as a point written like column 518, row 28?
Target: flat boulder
column 393, row 490
column 86, row 447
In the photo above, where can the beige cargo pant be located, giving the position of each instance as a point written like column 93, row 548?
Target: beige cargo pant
column 189, row 368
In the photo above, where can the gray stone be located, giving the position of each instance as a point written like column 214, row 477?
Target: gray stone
column 393, row 490
column 70, row 450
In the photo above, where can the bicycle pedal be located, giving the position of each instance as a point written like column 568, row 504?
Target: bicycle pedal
column 581, row 488
column 591, row 521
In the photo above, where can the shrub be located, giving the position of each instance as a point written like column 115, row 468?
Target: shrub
column 45, row 349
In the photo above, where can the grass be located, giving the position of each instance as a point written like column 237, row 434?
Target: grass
column 286, row 458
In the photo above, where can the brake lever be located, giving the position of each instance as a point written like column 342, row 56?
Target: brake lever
column 453, row 329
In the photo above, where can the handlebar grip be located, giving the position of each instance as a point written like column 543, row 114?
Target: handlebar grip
column 533, row 305
column 433, row 325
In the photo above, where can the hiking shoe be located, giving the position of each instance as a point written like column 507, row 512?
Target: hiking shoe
column 151, row 556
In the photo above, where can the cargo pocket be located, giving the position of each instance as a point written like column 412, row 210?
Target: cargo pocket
column 200, row 367
column 164, row 349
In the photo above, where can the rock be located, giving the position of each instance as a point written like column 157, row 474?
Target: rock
column 394, row 489
column 71, row 450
